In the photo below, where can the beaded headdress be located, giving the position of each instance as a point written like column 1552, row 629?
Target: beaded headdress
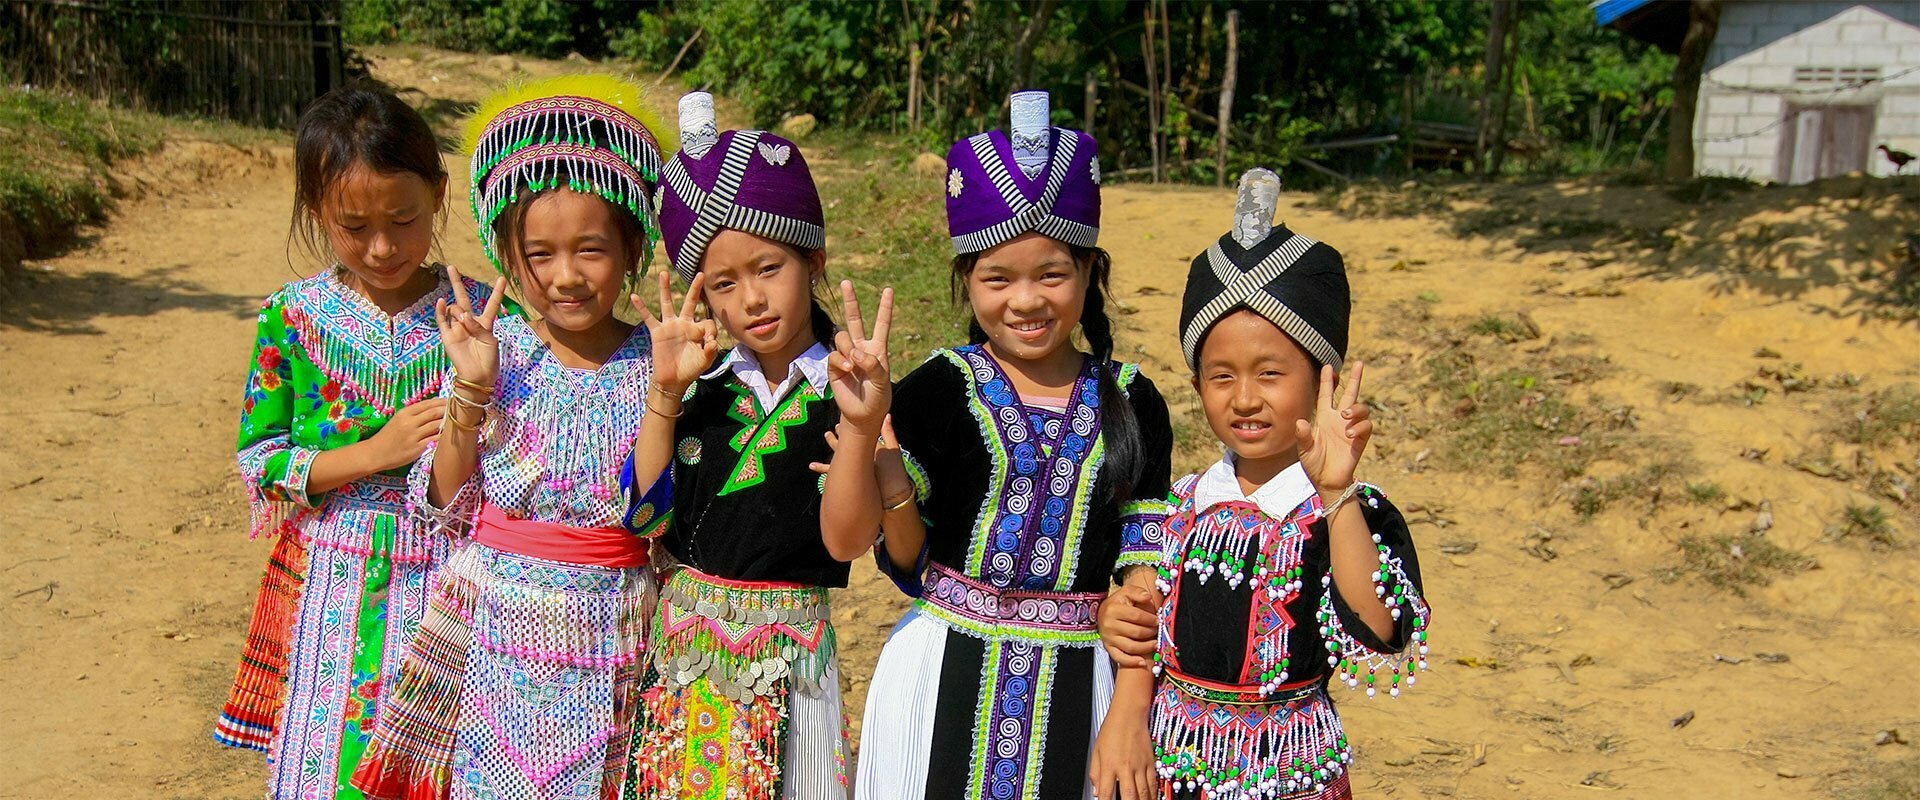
column 750, row 181
column 1295, row 282
column 593, row 134
column 1036, row 177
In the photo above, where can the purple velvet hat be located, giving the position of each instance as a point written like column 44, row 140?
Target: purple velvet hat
column 750, row 181
column 1038, row 178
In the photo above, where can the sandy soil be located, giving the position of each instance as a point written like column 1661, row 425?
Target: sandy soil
column 1565, row 648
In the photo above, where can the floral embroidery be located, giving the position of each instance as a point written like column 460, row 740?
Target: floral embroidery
column 955, row 183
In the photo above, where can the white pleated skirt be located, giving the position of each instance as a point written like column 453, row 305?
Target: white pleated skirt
column 897, row 732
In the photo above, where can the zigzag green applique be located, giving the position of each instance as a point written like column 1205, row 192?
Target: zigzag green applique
column 768, row 436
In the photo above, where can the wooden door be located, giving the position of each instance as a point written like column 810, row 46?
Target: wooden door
column 1823, row 141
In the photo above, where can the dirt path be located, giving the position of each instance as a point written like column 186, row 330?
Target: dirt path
column 1560, row 662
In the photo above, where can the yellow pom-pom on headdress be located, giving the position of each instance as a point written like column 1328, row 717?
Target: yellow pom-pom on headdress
column 595, row 134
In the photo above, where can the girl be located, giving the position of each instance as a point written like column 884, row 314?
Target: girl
column 1279, row 570
column 1037, row 471
column 746, row 699
column 523, row 679
column 340, row 399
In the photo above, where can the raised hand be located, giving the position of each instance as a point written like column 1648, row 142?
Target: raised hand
column 467, row 336
column 1331, row 444
column 683, row 345
column 858, row 369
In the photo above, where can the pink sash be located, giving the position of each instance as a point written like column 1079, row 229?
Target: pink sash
column 595, row 547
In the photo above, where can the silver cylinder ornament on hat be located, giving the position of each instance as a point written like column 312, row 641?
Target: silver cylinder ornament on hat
column 1254, row 210
column 698, row 130
column 1030, row 132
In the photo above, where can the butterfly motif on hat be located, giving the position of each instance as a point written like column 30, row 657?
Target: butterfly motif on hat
column 787, row 213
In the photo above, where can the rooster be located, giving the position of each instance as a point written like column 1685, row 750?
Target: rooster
column 1900, row 158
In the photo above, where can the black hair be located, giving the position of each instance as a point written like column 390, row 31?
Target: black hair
column 817, row 317
column 1119, row 427
column 361, row 123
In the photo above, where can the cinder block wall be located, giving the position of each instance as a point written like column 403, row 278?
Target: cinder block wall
column 1750, row 78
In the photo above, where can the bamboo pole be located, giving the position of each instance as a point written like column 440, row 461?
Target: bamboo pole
column 1153, row 96
column 1093, row 101
column 1227, row 81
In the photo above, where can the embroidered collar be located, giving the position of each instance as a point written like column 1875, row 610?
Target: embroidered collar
column 810, row 365
column 1278, row 498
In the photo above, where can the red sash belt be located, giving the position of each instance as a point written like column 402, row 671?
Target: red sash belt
column 595, row 547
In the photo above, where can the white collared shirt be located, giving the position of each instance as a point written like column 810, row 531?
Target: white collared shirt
column 1277, row 498
column 810, row 366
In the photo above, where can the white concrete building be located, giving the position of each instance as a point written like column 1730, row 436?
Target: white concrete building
column 1795, row 91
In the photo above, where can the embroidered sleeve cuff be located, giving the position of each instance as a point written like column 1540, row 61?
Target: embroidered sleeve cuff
column 453, row 520
column 294, row 484
column 1142, row 532
column 909, row 583
column 1355, row 652
column 650, row 512
column 918, row 475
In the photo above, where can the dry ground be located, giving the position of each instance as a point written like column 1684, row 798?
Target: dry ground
column 1583, row 602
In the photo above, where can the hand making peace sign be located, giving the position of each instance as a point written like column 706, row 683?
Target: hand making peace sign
column 1331, row 444
column 467, row 337
column 683, row 344
column 862, row 384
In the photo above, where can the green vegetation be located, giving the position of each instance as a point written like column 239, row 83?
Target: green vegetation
column 886, row 233
column 54, row 156
column 1888, row 416
column 1867, row 522
column 1584, row 98
column 56, row 153
column 1592, row 496
column 1738, row 563
column 1706, row 492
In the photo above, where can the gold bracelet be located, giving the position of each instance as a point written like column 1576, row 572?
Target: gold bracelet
column 656, row 409
column 467, row 384
column 463, row 401
column 453, row 420
column 903, row 501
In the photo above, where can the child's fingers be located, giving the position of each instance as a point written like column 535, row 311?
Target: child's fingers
column 1145, row 782
column 1121, row 659
column 850, row 303
column 1303, row 435
column 646, row 314
column 883, row 318
column 693, row 295
column 493, row 302
column 1327, row 382
column 1352, row 394
column 459, row 286
column 887, row 439
column 665, row 285
column 1360, row 431
column 1139, row 617
column 817, row 467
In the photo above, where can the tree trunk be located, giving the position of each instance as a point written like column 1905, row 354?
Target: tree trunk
column 1093, row 102
column 1226, row 95
column 1495, row 61
column 1153, row 94
column 1512, row 65
column 1030, row 38
column 1703, row 22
